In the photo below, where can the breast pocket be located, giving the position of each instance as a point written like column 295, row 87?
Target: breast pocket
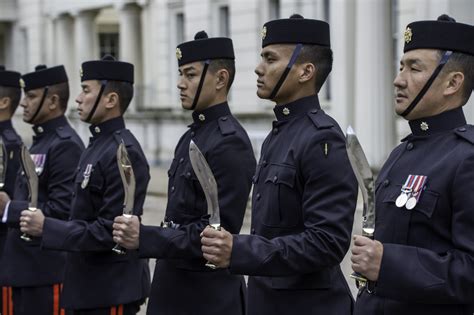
column 283, row 201
column 192, row 193
column 425, row 206
column 89, row 187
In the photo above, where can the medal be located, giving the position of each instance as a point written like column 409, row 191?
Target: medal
column 411, row 203
column 39, row 160
column 86, row 175
column 406, row 192
column 419, row 183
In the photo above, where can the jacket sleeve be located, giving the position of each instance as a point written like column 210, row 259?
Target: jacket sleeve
column 96, row 235
column 422, row 276
column 232, row 163
column 329, row 192
column 62, row 160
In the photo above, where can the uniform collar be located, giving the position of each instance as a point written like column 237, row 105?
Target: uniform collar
column 435, row 124
column 5, row 125
column 107, row 126
column 211, row 113
column 296, row 108
column 50, row 125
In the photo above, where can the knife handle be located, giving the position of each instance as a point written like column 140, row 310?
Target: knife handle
column 208, row 263
column 119, row 250
column 25, row 236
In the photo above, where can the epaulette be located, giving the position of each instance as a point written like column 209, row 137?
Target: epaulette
column 320, row 120
column 10, row 136
column 63, row 133
column 226, row 125
column 466, row 132
column 122, row 136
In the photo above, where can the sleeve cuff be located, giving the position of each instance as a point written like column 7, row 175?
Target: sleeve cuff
column 55, row 231
column 15, row 208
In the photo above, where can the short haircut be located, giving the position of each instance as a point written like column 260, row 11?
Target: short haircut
column 14, row 93
column 124, row 91
column 227, row 64
column 463, row 63
column 62, row 91
column 321, row 58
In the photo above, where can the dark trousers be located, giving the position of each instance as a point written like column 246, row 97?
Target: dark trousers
column 127, row 309
column 33, row 300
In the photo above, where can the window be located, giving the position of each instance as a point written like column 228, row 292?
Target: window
column 179, row 28
column 274, row 9
column 109, row 45
column 224, row 23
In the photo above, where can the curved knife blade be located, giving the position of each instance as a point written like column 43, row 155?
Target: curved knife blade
column 3, row 164
column 208, row 183
column 128, row 178
column 365, row 178
column 29, row 168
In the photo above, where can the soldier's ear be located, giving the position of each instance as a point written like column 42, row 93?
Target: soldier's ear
column 53, row 102
column 5, row 102
column 454, row 83
column 306, row 72
column 222, row 78
column 112, row 100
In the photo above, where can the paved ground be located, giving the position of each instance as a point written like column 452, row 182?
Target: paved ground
column 156, row 202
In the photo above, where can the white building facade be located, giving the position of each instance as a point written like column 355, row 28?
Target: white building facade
column 365, row 36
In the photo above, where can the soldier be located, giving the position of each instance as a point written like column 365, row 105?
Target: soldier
column 304, row 194
column 35, row 275
column 422, row 261
column 97, row 280
column 10, row 94
column 182, row 284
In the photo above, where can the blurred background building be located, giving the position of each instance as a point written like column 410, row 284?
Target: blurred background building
column 365, row 34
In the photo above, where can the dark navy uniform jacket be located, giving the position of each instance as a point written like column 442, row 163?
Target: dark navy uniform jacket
column 95, row 276
column 12, row 144
column 182, row 284
column 303, row 204
column 56, row 149
column 428, row 258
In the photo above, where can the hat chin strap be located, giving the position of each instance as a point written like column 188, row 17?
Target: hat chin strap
column 103, row 83
column 428, row 83
column 45, row 92
column 201, row 83
column 292, row 61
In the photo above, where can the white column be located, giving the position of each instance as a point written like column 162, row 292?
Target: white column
column 342, row 20
column 131, row 45
column 374, row 109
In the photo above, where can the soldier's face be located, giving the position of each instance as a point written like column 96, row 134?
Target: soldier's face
column 30, row 102
column 188, row 82
column 274, row 60
column 416, row 67
column 86, row 100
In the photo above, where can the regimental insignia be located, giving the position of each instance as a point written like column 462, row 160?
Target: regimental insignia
column 39, row 160
column 407, row 35
column 22, row 83
column 11, row 155
column 202, row 117
column 424, row 126
column 179, row 54
column 264, row 32
column 286, row 111
column 325, row 146
column 81, row 72
column 86, row 176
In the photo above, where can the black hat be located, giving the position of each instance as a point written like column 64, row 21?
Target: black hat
column 9, row 78
column 443, row 34
column 203, row 48
column 108, row 68
column 43, row 76
column 296, row 30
